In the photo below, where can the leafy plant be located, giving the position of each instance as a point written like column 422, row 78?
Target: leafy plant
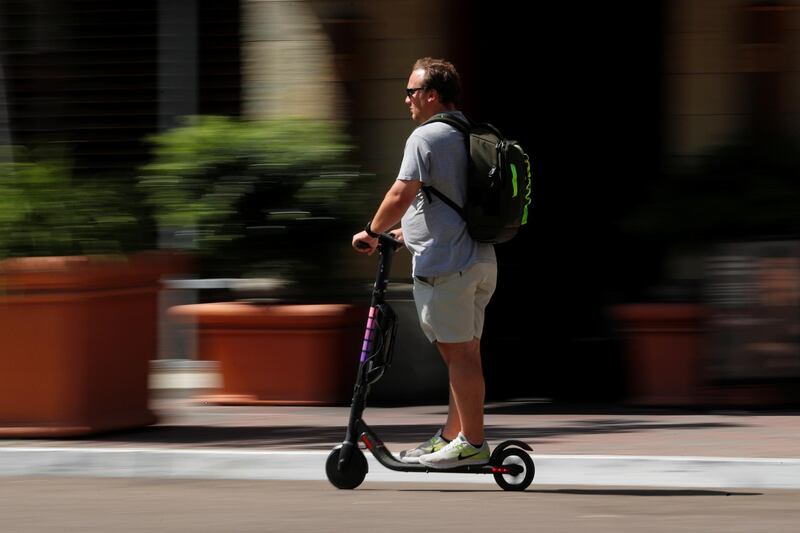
column 256, row 198
column 46, row 211
column 748, row 188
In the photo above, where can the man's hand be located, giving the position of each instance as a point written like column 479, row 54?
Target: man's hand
column 398, row 234
column 361, row 239
column 395, row 203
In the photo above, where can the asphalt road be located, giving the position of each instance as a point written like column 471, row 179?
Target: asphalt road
column 66, row 505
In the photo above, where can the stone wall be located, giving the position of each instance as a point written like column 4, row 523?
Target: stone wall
column 721, row 55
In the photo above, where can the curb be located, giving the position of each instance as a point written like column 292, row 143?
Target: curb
column 653, row 471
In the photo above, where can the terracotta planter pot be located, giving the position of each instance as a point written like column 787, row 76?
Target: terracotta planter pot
column 664, row 345
column 279, row 354
column 76, row 338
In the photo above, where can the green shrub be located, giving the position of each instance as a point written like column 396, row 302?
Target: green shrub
column 46, row 211
column 256, row 198
column 748, row 188
column 745, row 190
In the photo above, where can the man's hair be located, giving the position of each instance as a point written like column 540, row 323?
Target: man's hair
column 442, row 76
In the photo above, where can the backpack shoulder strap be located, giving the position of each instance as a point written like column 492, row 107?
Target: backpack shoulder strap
column 452, row 120
column 463, row 127
column 428, row 189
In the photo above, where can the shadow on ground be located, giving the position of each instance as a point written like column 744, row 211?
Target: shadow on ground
column 323, row 437
column 652, row 493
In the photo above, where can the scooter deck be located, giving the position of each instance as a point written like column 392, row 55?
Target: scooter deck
column 387, row 459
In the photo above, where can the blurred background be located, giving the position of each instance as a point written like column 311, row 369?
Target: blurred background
column 260, row 135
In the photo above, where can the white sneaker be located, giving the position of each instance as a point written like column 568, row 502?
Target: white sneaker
column 459, row 452
column 434, row 444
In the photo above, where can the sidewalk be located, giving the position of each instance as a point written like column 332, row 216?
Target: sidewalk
column 571, row 445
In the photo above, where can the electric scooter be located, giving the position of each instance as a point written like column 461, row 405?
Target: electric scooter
column 346, row 466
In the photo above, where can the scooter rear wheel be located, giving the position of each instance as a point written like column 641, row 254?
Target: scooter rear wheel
column 521, row 481
column 352, row 475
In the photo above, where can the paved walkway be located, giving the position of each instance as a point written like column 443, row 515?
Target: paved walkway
column 584, row 445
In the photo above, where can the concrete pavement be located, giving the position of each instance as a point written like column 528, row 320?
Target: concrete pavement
column 587, row 445
column 80, row 505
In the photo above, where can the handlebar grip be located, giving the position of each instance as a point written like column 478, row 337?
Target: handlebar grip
column 384, row 237
column 390, row 237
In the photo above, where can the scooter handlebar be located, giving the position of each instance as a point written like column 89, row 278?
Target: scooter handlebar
column 389, row 238
column 383, row 240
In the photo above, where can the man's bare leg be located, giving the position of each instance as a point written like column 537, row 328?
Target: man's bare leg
column 467, row 389
column 452, row 427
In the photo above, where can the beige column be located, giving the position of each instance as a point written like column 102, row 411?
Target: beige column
column 287, row 62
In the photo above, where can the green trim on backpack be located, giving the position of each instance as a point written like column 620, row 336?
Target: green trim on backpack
column 514, row 180
column 527, row 193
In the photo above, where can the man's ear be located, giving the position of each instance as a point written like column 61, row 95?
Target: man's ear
column 432, row 95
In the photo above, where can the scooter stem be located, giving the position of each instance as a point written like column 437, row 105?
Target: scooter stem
column 386, row 248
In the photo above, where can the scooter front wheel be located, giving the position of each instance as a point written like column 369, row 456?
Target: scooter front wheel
column 352, row 475
column 515, row 456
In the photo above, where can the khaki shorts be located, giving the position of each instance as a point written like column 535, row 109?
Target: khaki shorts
column 451, row 308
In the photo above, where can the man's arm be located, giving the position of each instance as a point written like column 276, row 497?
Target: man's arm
column 395, row 204
column 391, row 210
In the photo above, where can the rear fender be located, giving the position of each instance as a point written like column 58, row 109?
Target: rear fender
column 498, row 451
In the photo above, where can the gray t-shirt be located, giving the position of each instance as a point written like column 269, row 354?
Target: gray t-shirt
column 434, row 233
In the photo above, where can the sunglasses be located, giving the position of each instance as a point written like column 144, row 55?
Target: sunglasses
column 411, row 90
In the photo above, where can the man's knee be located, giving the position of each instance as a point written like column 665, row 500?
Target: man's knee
column 460, row 351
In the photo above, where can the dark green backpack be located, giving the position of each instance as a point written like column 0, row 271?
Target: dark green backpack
column 498, row 183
